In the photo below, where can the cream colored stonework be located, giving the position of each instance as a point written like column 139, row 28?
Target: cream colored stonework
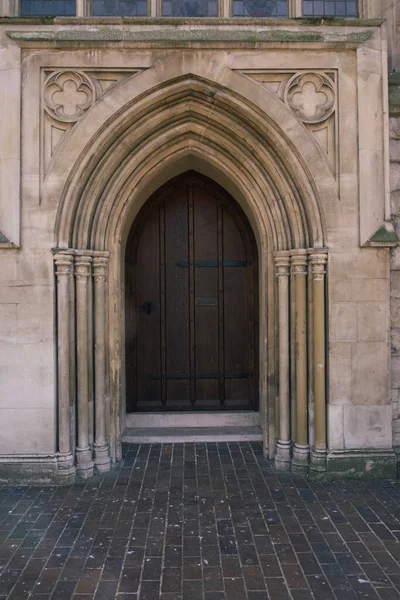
column 294, row 125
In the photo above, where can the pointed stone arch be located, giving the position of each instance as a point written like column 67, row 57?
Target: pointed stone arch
column 148, row 129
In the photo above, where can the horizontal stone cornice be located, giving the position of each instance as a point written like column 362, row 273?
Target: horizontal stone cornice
column 201, row 21
column 181, row 33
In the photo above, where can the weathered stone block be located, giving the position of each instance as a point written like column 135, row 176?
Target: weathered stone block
column 8, row 323
column 370, row 373
column 361, row 465
column 367, row 426
column 335, row 427
column 372, row 321
column 395, row 339
column 340, row 374
column 343, row 321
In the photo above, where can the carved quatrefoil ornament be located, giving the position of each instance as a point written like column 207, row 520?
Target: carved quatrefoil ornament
column 311, row 96
column 68, row 95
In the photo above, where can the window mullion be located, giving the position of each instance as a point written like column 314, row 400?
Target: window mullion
column 83, row 8
column 225, row 8
column 295, row 8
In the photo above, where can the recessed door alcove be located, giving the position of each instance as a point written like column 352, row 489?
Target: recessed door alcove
column 191, row 302
column 105, row 179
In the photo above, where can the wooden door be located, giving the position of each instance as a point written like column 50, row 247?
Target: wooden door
column 191, row 302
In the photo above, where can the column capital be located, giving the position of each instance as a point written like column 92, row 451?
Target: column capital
column 82, row 265
column 63, row 262
column 318, row 262
column 100, row 253
column 318, row 256
column 282, row 264
column 99, row 268
column 298, row 260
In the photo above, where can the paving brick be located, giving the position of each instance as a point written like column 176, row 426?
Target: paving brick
column 205, row 521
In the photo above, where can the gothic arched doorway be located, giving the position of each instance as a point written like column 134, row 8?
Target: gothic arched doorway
column 191, row 302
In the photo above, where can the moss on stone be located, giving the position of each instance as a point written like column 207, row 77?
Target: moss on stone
column 383, row 236
column 360, row 465
column 394, row 93
column 44, row 20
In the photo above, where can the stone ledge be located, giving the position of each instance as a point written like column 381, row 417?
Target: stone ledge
column 384, row 237
column 201, row 21
column 360, row 464
column 9, row 246
column 176, row 37
column 5, row 243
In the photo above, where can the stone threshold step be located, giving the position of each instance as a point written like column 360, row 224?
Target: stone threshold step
column 242, row 418
column 169, row 435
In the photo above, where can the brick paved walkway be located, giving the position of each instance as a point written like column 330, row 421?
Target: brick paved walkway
column 204, row 521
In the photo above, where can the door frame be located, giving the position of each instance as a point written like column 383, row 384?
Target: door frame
column 244, row 226
column 173, row 167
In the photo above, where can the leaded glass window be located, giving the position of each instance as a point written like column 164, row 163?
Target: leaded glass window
column 259, row 8
column 190, row 8
column 119, row 8
column 329, row 8
column 37, row 8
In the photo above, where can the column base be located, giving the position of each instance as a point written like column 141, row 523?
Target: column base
column 282, row 455
column 66, row 468
column 102, row 458
column 84, row 463
column 317, row 461
column 300, row 459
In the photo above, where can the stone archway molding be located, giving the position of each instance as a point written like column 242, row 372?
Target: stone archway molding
column 232, row 115
column 147, row 130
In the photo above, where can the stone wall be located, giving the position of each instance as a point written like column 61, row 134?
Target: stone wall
column 394, row 99
column 146, row 118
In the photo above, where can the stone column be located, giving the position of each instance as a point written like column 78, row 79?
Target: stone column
column 63, row 268
column 301, row 447
column 101, row 450
column 82, row 278
column 283, row 446
column 318, row 264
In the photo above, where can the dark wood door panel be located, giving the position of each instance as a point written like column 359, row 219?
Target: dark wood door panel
column 191, row 302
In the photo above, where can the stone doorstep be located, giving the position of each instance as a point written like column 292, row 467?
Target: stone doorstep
column 169, row 435
column 242, row 418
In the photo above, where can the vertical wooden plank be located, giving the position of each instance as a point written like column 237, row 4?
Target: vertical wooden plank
column 205, row 206
column 177, row 298
column 192, row 307
column 163, row 330
column 147, row 308
column 250, row 320
column 236, row 326
column 221, row 334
